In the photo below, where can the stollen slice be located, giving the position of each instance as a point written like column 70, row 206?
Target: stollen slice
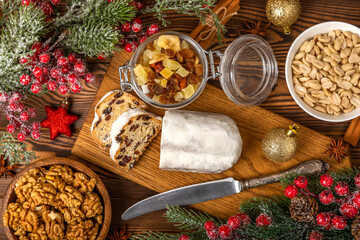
column 131, row 133
column 108, row 109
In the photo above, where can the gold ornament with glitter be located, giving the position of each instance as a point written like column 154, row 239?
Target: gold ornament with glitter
column 279, row 144
column 283, row 13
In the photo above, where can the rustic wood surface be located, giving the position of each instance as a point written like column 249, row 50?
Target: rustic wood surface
column 124, row 193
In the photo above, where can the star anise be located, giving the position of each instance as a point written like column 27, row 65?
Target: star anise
column 119, row 234
column 337, row 149
column 6, row 170
column 257, row 28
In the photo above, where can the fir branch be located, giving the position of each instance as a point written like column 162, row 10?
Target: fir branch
column 21, row 30
column 92, row 39
column 14, row 151
column 155, row 236
column 254, row 206
column 188, row 220
column 198, row 8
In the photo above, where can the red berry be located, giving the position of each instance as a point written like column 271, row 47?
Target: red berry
column 47, row 8
column 65, row 69
column 338, row 222
column 142, row 39
column 38, row 71
column 79, row 67
column 234, row 222
column 326, row 197
column 20, row 107
column 136, row 25
column 63, row 88
column 341, row 189
column 316, row 235
column 184, row 237
column 72, row 78
column 31, row 112
column 89, row 77
column 209, row 226
column 323, row 219
column 10, row 128
column 244, row 218
column 58, row 53
column 356, row 199
column 129, row 47
column 212, row 235
column 4, row 97
column 326, row 180
column 25, row 2
column 23, row 60
column 225, row 231
column 24, row 116
column 35, row 135
column 44, row 58
column 72, row 57
column 301, row 182
column 291, row 191
column 21, row 136
column 15, row 97
column 348, row 210
column 55, row 72
column 126, row 27
column 62, row 61
column 55, row 1
column 357, row 180
column 62, row 80
column 13, row 106
column 139, row 5
column 76, row 87
column 52, row 85
column 37, row 46
column 36, row 125
column 152, row 29
column 263, row 220
column 36, row 88
column 101, row 56
column 25, row 79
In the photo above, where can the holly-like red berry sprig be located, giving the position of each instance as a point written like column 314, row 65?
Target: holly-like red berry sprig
column 19, row 116
column 184, row 237
column 263, row 220
column 54, row 70
column 46, row 6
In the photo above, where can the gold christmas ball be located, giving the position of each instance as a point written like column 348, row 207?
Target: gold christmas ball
column 283, row 13
column 279, row 144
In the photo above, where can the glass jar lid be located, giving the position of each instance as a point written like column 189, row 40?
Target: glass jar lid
column 249, row 70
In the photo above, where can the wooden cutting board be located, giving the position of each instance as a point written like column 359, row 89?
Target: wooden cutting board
column 253, row 123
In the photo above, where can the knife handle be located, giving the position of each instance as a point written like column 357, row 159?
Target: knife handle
column 309, row 167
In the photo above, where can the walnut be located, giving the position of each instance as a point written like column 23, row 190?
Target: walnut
column 83, row 183
column 42, row 194
column 54, row 224
column 40, row 234
column 70, row 197
column 25, row 184
column 99, row 218
column 56, row 181
column 92, row 205
column 84, row 230
column 73, row 215
column 64, row 171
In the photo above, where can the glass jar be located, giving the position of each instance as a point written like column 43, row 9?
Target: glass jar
column 248, row 70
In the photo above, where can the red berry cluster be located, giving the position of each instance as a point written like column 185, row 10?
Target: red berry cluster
column 349, row 202
column 46, row 6
column 54, row 70
column 315, row 235
column 18, row 116
column 226, row 231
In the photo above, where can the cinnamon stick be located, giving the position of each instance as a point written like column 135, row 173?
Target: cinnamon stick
column 352, row 134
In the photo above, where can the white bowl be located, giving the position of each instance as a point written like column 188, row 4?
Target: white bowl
column 306, row 35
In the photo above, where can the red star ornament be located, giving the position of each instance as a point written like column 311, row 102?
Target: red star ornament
column 58, row 121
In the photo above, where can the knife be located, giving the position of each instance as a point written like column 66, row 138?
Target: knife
column 206, row 191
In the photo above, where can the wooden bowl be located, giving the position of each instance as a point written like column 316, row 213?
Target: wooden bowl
column 100, row 189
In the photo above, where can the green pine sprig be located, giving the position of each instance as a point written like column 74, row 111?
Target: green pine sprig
column 199, row 8
column 13, row 151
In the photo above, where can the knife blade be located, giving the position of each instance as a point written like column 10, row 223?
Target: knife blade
column 207, row 191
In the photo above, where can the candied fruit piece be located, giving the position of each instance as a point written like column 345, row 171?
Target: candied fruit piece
column 171, row 64
column 169, row 42
column 182, row 72
column 140, row 71
column 178, row 96
column 184, row 44
column 163, row 83
column 156, row 98
column 188, row 91
column 141, row 80
column 166, row 73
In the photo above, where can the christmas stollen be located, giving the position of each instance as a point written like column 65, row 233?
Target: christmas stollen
column 108, row 109
column 199, row 142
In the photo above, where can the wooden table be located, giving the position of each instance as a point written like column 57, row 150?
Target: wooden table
column 124, row 193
